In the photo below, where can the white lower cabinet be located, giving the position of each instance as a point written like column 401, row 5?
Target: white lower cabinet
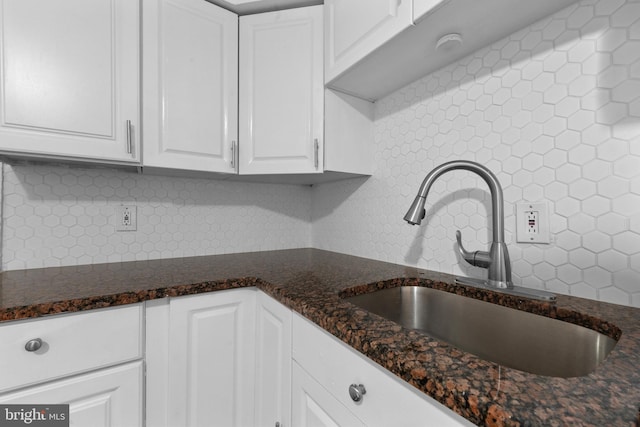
column 110, row 397
column 273, row 363
column 314, row 406
column 388, row 401
column 91, row 361
column 218, row 359
column 240, row 358
column 233, row 358
column 211, row 353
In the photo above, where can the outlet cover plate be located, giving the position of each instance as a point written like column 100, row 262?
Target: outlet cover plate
column 532, row 222
column 126, row 218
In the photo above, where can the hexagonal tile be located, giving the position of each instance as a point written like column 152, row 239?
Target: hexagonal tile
column 596, row 241
column 613, row 295
column 627, row 243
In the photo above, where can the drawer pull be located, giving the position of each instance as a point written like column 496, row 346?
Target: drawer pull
column 33, row 345
column 357, row 391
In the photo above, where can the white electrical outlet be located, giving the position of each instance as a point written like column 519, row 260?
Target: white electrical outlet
column 126, row 218
column 532, row 222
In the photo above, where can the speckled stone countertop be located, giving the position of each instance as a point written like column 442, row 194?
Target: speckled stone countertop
column 312, row 283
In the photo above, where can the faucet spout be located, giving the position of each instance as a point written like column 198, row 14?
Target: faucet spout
column 497, row 259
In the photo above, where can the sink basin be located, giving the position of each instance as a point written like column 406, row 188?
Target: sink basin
column 509, row 337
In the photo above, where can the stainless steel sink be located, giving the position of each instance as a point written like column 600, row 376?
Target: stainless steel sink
column 509, row 337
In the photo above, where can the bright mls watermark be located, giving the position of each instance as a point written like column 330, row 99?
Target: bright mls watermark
column 34, row 415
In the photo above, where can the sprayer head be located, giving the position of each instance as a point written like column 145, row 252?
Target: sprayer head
column 416, row 212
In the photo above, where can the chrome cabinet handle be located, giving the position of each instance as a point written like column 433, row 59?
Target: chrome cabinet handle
column 234, row 148
column 33, row 345
column 316, row 149
column 129, row 140
column 357, row 392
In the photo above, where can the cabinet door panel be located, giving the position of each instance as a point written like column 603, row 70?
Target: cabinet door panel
column 69, row 78
column 313, row 406
column 273, row 362
column 211, row 359
column 191, row 57
column 356, row 27
column 281, row 91
column 108, row 398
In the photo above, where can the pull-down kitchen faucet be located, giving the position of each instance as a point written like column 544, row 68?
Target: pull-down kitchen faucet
column 497, row 259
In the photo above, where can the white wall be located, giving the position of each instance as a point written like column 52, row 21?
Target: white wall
column 57, row 216
column 554, row 111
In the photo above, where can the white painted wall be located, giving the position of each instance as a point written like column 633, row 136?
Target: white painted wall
column 554, row 111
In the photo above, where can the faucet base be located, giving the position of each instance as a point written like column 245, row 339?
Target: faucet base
column 515, row 290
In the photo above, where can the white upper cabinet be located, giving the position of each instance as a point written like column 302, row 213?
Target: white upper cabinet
column 356, row 27
column 348, row 130
column 422, row 7
column 220, row 94
column 375, row 47
column 190, row 63
column 281, row 92
column 69, row 81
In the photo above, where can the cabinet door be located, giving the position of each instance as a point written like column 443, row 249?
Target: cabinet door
column 314, row 406
column 69, row 80
column 109, row 398
column 281, row 92
column 354, row 28
column 190, row 85
column 211, row 359
column 273, row 363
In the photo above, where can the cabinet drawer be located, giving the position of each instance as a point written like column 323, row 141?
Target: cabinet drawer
column 388, row 400
column 110, row 397
column 71, row 343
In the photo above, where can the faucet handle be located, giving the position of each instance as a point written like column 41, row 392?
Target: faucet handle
column 476, row 258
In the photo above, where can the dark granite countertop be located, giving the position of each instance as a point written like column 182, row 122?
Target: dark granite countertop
column 311, row 282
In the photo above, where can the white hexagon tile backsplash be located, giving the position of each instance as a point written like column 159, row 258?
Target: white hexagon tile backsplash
column 554, row 111
column 59, row 216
